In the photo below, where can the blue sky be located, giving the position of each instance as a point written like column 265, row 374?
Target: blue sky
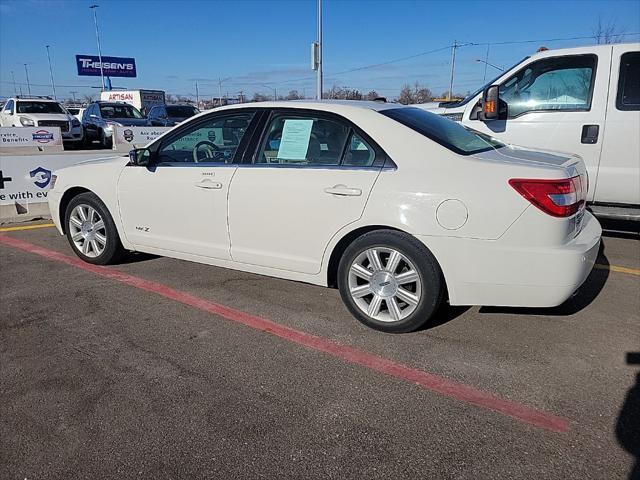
column 261, row 45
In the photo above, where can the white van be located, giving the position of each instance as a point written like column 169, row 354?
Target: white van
column 583, row 100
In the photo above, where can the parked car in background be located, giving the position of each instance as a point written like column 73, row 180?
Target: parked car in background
column 584, row 100
column 76, row 112
column 170, row 115
column 100, row 119
column 35, row 111
column 397, row 207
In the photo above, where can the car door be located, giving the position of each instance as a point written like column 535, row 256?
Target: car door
column 310, row 176
column 556, row 103
column 179, row 202
column 619, row 169
column 89, row 122
column 6, row 115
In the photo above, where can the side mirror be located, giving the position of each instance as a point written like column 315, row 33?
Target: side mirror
column 491, row 103
column 140, row 157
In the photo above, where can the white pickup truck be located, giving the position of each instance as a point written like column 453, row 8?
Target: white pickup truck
column 583, row 100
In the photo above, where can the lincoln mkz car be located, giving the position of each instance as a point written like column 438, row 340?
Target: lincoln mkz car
column 398, row 208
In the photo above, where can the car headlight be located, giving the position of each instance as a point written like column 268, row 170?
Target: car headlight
column 75, row 122
column 27, row 122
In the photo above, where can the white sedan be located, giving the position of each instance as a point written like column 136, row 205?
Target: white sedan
column 398, row 208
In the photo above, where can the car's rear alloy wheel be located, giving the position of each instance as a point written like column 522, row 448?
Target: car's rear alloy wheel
column 390, row 281
column 88, row 231
column 91, row 231
column 384, row 284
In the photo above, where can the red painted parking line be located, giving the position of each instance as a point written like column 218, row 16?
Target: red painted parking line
column 435, row 383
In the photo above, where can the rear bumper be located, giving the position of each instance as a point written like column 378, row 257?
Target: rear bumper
column 493, row 273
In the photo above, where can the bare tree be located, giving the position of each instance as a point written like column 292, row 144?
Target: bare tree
column 607, row 32
column 417, row 94
column 89, row 98
column 259, row 97
column 372, row 95
column 293, row 95
column 169, row 98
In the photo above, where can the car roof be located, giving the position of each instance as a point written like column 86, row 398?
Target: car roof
column 323, row 105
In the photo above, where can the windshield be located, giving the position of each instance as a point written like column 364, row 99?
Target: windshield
column 120, row 111
column 446, row 132
column 181, row 111
column 39, row 107
column 482, row 88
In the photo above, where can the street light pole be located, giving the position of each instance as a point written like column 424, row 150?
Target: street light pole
column 489, row 64
column 26, row 72
column 53, row 85
column 95, row 20
column 319, row 71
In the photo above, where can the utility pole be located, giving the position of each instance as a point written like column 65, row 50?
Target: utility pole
column 197, row 96
column 95, row 20
column 53, row 85
column 73, row 92
column 26, row 72
column 219, row 92
column 486, row 63
column 15, row 90
column 453, row 63
column 319, row 58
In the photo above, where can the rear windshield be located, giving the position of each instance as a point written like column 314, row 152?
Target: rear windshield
column 181, row 111
column 119, row 111
column 73, row 111
column 446, row 132
column 39, row 107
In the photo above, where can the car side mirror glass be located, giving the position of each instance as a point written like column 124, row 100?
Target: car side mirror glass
column 491, row 103
column 140, row 157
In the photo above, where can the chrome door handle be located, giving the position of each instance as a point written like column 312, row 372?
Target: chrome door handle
column 343, row 191
column 208, row 184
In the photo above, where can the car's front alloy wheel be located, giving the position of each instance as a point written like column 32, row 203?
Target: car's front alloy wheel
column 91, row 231
column 88, row 231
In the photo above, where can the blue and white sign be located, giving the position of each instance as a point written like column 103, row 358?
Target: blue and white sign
column 89, row 65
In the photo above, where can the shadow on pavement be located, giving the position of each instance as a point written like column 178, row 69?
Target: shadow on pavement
column 583, row 297
column 445, row 314
column 628, row 424
column 620, row 229
column 136, row 257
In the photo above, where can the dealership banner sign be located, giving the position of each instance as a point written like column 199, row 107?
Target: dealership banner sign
column 127, row 138
column 89, row 65
column 11, row 137
column 25, row 180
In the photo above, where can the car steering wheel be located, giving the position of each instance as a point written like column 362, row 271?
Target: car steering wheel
column 211, row 150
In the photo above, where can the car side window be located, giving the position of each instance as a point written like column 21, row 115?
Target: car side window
column 303, row 139
column 9, row 107
column 628, row 95
column 358, row 153
column 551, row 84
column 214, row 140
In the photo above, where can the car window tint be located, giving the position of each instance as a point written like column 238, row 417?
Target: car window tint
column 214, row 140
column 628, row 96
column 551, row 84
column 358, row 153
column 303, row 140
column 9, row 106
column 441, row 130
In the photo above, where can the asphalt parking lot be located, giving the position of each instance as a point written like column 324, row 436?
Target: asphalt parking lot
column 165, row 369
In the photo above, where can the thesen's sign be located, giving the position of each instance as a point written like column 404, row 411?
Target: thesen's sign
column 89, row 65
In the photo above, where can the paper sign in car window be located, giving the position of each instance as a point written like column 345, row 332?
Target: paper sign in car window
column 295, row 139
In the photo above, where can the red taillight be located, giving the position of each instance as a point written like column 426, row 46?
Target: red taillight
column 560, row 198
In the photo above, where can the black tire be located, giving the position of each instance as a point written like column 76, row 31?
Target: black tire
column 429, row 273
column 113, row 250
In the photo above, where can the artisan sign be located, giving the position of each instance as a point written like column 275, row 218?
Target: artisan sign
column 89, row 65
column 11, row 137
